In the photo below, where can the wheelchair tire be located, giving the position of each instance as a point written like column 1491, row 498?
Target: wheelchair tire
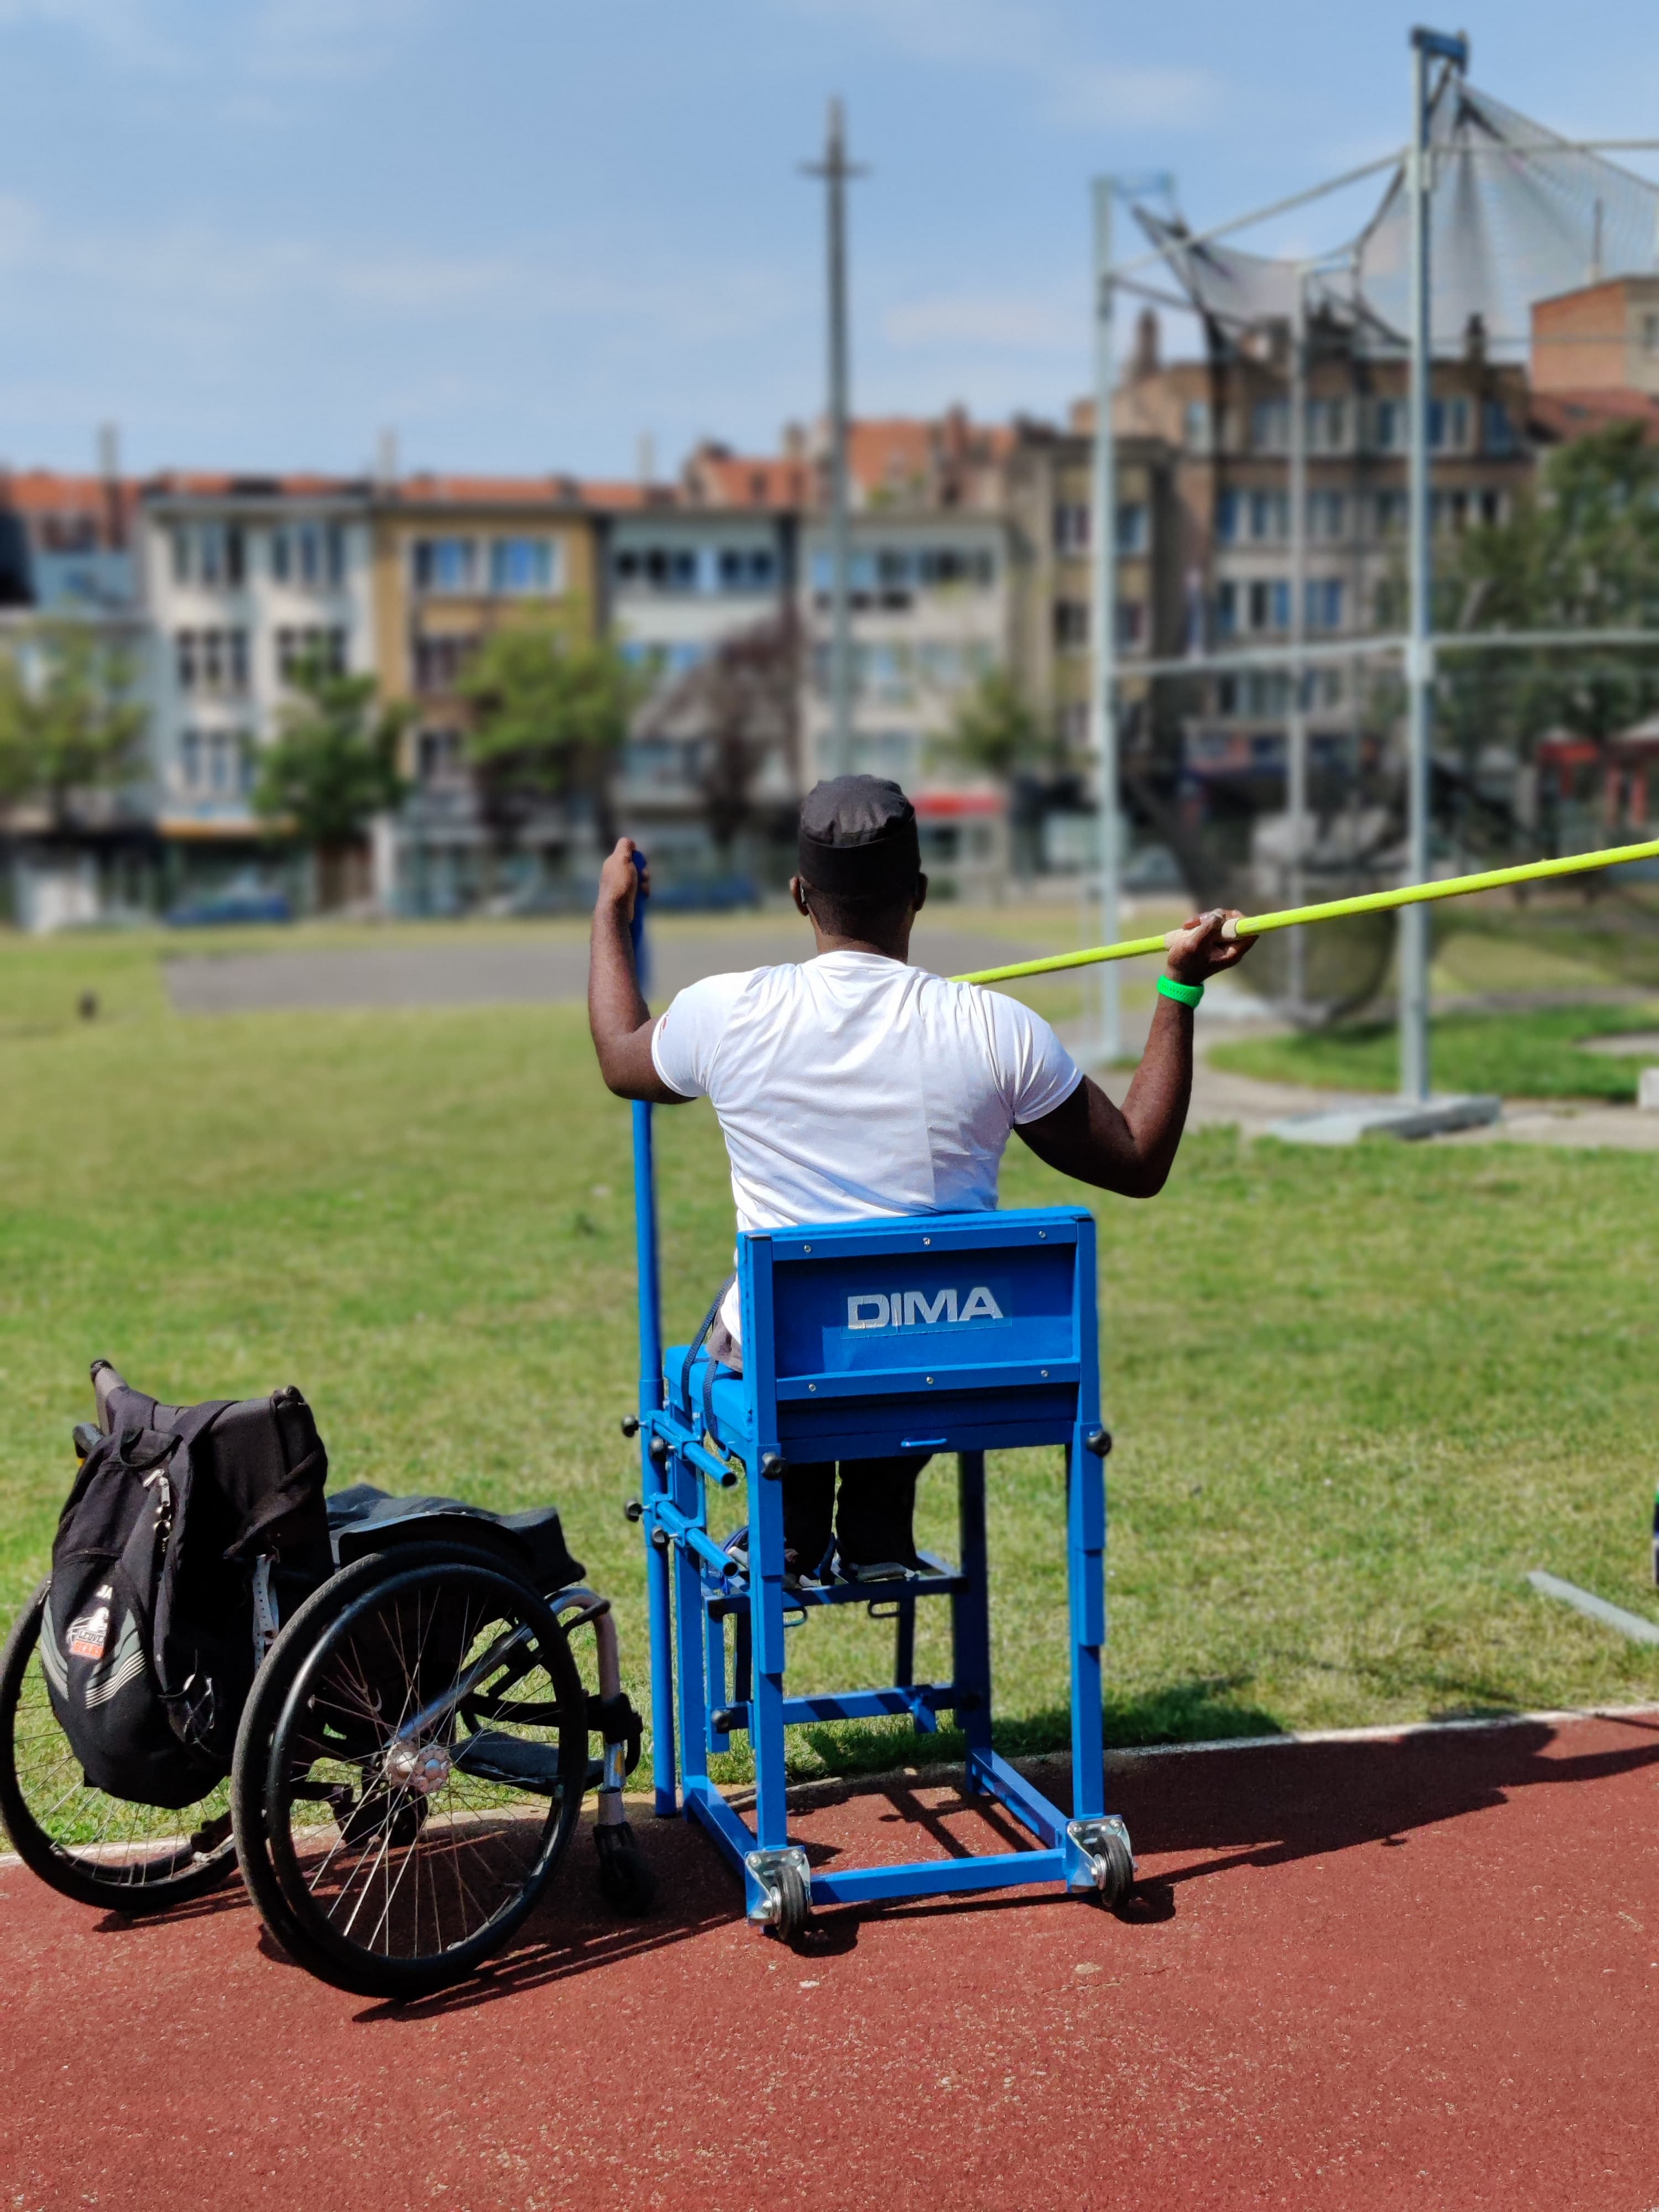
column 259, row 1716
column 97, row 1848
column 423, row 1707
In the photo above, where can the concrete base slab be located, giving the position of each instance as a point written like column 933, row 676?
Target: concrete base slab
column 1391, row 1117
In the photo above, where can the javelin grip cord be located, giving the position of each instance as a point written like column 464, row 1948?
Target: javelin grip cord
column 1258, row 925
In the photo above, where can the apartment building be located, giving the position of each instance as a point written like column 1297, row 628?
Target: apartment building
column 242, row 578
column 700, row 593
column 1594, row 358
column 933, row 598
column 455, row 557
column 74, row 540
column 1226, row 423
column 67, row 558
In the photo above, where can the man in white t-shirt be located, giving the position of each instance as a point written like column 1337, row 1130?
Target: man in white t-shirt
column 852, row 1085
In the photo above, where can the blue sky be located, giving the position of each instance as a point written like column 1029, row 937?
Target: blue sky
column 524, row 233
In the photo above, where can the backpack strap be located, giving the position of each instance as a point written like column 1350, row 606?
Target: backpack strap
column 302, row 1483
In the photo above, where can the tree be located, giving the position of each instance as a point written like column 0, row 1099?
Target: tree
column 1583, row 554
column 553, row 712
column 994, row 730
column 332, row 766
column 733, row 708
column 71, row 727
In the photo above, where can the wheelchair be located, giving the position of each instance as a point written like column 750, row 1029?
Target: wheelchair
column 409, row 1762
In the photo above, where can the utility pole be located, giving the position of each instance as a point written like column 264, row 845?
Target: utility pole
column 1102, row 537
column 836, row 170
column 1295, row 780
column 1103, row 706
column 1427, row 46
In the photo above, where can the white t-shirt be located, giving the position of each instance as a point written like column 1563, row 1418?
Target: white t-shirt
column 852, row 1085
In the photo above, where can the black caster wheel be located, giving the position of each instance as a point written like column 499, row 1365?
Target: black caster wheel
column 1119, row 1878
column 625, row 1874
column 794, row 1906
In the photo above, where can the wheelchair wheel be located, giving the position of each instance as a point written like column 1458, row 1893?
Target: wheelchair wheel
column 96, row 1849
column 424, row 1772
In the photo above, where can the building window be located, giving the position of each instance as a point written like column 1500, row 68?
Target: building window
column 1132, row 533
column 313, row 643
column 1072, row 625
column 1071, row 527
column 1324, row 604
column 1196, row 426
column 1327, row 515
column 1131, row 622
column 1497, row 431
column 1448, row 425
column 1389, row 421
column 211, row 660
column 180, row 540
column 1328, row 426
column 1226, row 610
column 444, row 564
column 522, row 564
column 1226, row 518
column 659, row 567
column 310, row 554
column 1389, row 509
column 1269, row 514
column 217, row 763
column 1270, row 604
column 440, row 662
column 1270, row 426
column 752, row 569
column 1074, row 726
column 438, row 757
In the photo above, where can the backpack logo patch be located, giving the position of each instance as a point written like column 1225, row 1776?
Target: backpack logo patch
column 87, row 1637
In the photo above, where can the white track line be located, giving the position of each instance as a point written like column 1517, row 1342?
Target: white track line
column 1582, row 1600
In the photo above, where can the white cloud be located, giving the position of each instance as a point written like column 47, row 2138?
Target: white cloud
column 998, row 321
column 1092, row 98
column 1034, row 40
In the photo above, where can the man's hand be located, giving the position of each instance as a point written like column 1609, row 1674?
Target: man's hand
column 1199, row 950
column 620, row 881
column 616, row 1012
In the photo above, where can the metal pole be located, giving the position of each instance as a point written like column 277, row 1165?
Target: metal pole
column 1414, row 941
column 1297, row 733
column 840, row 635
column 1102, row 708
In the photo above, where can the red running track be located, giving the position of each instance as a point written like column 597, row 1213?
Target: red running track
column 1421, row 1972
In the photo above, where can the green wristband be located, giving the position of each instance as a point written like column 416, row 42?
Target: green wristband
column 1184, row 994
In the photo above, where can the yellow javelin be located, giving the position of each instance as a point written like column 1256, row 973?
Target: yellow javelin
column 1257, row 925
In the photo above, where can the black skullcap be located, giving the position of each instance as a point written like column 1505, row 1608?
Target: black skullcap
column 858, row 838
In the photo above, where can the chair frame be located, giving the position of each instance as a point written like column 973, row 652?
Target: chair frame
column 1030, row 1378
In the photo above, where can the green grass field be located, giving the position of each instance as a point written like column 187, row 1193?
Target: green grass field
column 1356, row 1393
column 1535, row 1055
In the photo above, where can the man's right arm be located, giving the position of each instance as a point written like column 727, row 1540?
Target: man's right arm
column 618, row 1016
column 1131, row 1149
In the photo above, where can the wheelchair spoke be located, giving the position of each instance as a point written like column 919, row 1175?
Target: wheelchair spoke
column 420, row 1857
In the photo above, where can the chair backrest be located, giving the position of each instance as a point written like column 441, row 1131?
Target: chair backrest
column 939, row 1331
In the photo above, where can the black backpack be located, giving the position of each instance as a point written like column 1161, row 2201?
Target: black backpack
column 152, row 1633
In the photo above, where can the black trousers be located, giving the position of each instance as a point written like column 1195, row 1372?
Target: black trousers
column 871, row 1518
column 873, row 1521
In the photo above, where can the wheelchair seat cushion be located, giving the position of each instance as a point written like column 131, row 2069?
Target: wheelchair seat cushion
column 364, row 1519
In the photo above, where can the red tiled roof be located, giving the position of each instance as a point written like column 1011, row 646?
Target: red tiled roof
column 43, row 491
column 1568, row 414
column 490, row 491
column 233, row 484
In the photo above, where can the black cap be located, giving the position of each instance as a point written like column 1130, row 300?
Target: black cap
column 858, row 838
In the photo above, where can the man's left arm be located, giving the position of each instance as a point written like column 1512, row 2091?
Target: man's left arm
column 618, row 1016
column 1131, row 1149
